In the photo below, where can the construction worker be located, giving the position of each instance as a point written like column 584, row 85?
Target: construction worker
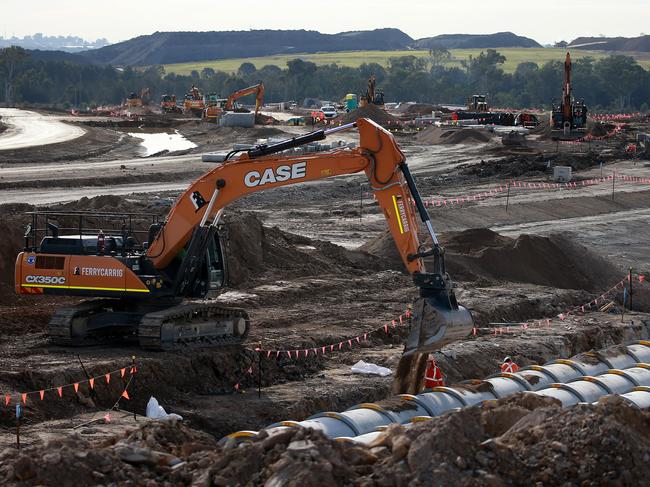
column 509, row 366
column 433, row 376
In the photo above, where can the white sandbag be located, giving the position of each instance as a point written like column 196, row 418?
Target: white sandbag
column 156, row 411
column 362, row 367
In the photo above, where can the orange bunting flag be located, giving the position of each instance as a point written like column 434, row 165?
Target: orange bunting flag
column 306, row 353
column 107, row 417
column 350, row 343
column 250, row 370
column 277, row 354
column 268, row 353
column 91, row 381
column 60, row 391
column 400, row 320
column 108, row 378
column 340, row 345
column 122, row 372
column 386, row 328
column 474, row 331
column 289, row 353
column 641, row 278
column 323, row 350
column 7, row 399
column 358, row 340
column 24, row 396
column 331, row 347
column 76, row 386
column 315, row 351
column 394, row 323
column 365, row 336
column 236, row 386
column 41, row 393
column 125, row 394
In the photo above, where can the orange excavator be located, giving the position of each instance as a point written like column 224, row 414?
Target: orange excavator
column 258, row 89
column 154, row 292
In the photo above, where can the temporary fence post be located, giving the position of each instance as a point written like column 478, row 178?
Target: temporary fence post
column 613, row 181
column 601, row 170
column 133, row 379
column 507, row 196
column 18, row 415
column 629, row 276
column 409, row 318
column 259, row 370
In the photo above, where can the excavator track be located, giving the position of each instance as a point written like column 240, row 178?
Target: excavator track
column 193, row 325
column 67, row 325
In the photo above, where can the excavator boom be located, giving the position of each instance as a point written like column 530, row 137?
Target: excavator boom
column 258, row 89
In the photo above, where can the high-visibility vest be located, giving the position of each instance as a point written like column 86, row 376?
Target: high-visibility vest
column 509, row 367
column 433, row 376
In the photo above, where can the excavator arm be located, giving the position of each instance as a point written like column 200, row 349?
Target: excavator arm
column 437, row 318
column 259, row 98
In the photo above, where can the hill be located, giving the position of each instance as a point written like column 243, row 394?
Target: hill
column 354, row 59
column 39, row 55
column 174, row 47
column 630, row 44
column 475, row 41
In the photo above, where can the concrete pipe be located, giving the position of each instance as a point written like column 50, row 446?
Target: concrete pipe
column 580, row 379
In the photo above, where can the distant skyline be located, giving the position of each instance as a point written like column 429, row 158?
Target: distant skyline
column 546, row 22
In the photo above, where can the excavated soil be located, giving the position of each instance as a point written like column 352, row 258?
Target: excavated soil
column 521, row 440
column 437, row 135
column 481, row 254
column 374, row 113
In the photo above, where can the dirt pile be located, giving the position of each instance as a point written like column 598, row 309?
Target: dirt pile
column 520, row 440
column 481, row 253
column 437, row 135
column 373, row 112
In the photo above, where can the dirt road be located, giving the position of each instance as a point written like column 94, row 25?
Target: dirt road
column 31, row 129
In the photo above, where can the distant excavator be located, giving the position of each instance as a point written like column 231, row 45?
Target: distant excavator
column 154, row 292
column 570, row 115
column 168, row 104
column 135, row 100
column 193, row 103
column 215, row 106
column 373, row 96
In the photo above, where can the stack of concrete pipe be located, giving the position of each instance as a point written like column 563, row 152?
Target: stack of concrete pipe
column 581, row 379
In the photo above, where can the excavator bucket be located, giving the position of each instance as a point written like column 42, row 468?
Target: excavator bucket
column 436, row 323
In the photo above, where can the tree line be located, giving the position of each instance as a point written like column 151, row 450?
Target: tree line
column 614, row 83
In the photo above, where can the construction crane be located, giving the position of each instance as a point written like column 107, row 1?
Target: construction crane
column 570, row 114
column 154, row 292
column 258, row 89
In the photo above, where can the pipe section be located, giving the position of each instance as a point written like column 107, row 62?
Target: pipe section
column 585, row 378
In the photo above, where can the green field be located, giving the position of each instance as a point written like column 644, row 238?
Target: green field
column 514, row 56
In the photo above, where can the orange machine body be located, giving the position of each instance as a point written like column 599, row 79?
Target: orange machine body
column 80, row 275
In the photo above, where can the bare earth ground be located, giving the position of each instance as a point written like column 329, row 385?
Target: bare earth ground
column 307, row 293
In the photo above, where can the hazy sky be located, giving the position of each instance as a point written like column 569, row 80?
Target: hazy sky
column 545, row 21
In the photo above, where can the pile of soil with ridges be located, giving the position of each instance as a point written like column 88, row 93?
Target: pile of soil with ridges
column 373, row 112
column 436, row 135
column 481, row 253
column 520, row 440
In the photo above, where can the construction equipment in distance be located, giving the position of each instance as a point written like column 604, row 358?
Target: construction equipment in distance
column 477, row 104
column 373, row 96
column 216, row 106
column 193, row 104
column 258, row 89
column 570, row 115
column 168, row 104
column 154, row 292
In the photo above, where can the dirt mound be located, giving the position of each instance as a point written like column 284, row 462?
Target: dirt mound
column 520, row 440
column 552, row 261
column 372, row 112
column 437, row 135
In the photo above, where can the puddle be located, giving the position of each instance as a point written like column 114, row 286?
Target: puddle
column 155, row 143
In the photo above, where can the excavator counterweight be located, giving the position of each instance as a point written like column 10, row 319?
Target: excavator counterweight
column 150, row 291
